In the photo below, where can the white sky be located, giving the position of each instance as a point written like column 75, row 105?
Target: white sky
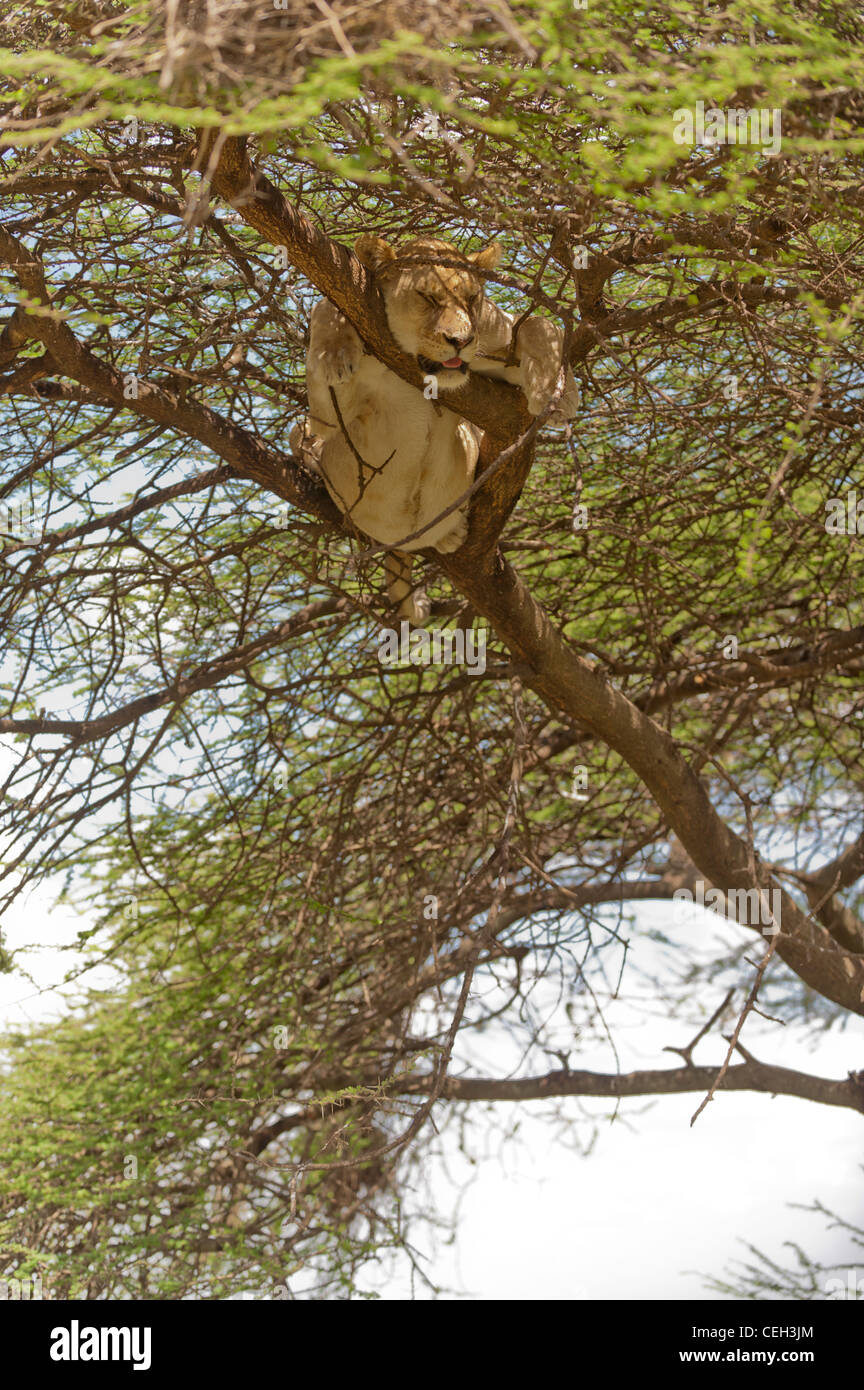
column 656, row 1198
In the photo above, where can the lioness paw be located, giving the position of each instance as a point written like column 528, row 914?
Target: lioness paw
column 540, row 342
column 335, row 363
column 539, row 386
column 571, row 399
column 455, row 537
column 536, row 384
column 306, row 445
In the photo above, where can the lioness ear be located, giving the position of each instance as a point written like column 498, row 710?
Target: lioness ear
column 373, row 251
column 488, row 258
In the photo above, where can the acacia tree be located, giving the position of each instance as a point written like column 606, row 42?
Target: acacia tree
column 311, row 878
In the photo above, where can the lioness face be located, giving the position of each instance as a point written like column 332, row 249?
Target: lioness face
column 432, row 293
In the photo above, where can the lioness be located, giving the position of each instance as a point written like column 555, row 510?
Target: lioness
column 396, row 459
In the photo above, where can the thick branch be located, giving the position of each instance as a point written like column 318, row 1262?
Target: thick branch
column 749, row 1076
column 821, row 886
column 843, row 871
column 567, row 682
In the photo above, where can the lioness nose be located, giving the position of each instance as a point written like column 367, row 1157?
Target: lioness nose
column 458, row 343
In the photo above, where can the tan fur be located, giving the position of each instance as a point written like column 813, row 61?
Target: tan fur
column 396, row 460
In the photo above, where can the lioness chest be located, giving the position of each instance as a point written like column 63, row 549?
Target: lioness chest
column 408, row 458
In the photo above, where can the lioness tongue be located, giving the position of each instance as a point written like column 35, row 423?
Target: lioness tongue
column 453, row 362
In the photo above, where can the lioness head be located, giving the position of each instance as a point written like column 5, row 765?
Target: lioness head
column 432, row 293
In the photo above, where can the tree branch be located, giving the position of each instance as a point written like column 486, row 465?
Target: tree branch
column 749, row 1076
column 204, row 677
column 565, row 681
column 247, row 454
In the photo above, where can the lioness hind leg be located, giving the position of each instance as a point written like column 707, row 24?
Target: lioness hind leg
column 307, row 446
column 413, row 604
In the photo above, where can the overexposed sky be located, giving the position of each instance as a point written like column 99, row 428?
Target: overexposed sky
column 655, row 1198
